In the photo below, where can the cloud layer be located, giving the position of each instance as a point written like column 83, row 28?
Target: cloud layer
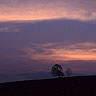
column 46, row 9
column 62, row 52
column 30, row 47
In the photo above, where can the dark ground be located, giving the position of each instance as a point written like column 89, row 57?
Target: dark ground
column 71, row 86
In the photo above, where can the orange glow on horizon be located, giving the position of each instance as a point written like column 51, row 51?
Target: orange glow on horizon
column 78, row 51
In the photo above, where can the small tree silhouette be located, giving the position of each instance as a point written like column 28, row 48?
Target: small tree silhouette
column 57, row 71
column 68, row 71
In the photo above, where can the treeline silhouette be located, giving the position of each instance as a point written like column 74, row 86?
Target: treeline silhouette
column 57, row 71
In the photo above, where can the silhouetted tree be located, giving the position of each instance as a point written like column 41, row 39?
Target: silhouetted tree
column 68, row 72
column 57, row 70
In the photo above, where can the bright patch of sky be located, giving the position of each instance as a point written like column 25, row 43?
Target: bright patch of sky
column 84, row 10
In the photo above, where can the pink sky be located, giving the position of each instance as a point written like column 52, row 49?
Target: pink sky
column 36, row 34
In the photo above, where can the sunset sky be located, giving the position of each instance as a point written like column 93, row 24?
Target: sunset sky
column 36, row 34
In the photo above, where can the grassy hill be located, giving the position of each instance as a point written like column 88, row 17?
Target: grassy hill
column 69, row 86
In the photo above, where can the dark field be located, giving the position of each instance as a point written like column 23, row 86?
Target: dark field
column 70, row 86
